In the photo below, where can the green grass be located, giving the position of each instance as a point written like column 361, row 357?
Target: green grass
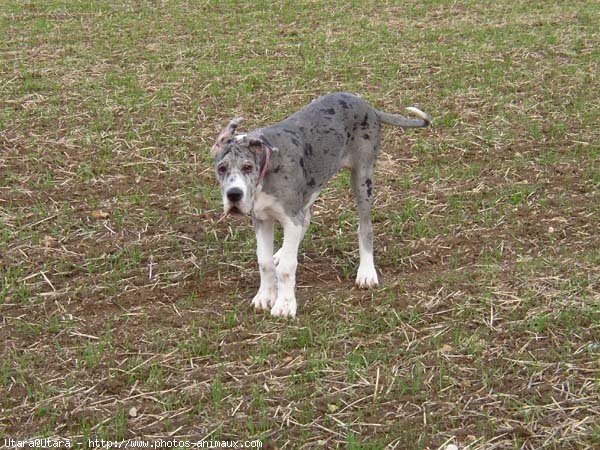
column 120, row 286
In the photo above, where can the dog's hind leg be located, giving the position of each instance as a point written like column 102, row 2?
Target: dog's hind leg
column 362, row 185
column 267, row 293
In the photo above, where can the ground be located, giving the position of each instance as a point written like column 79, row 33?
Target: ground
column 125, row 296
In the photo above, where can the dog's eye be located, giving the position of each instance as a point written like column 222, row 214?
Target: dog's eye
column 247, row 168
column 221, row 170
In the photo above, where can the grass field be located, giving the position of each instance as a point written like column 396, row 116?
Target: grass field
column 125, row 300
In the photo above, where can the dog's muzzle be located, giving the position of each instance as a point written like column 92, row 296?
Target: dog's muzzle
column 235, row 202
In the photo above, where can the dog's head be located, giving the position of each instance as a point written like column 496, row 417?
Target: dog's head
column 239, row 160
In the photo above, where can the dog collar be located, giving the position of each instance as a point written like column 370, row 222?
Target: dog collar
column 263, row 169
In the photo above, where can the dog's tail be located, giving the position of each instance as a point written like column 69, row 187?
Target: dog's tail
column 424, row 119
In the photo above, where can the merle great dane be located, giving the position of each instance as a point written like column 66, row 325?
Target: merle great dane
column 276, row 173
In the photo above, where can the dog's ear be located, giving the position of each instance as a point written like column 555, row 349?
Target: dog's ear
column 257, row 142
column 225, row 134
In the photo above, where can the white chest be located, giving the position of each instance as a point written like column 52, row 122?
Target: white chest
column 267, row 207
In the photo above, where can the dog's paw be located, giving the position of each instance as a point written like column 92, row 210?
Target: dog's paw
column 284, row 308
column 367, row 278
column 264, row 299
column 277, row 257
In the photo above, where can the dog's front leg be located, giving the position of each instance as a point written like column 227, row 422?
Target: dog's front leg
column 267, row 292
column 305, row 225
column 285, row 306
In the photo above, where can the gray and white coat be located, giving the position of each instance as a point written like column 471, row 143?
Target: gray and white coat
column 274, row 174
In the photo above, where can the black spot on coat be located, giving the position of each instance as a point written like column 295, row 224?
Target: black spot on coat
column 365, row 123
column 369, row 185
column 288, row 131
column 303, row 168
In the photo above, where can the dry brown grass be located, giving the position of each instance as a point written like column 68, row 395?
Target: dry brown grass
column 121, row 287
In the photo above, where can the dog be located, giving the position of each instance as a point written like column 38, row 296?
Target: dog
column 274, row 174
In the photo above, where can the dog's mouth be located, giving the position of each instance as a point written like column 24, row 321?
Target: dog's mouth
column 235, row 211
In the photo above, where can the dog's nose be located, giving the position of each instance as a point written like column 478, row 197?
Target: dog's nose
column 234, row 194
